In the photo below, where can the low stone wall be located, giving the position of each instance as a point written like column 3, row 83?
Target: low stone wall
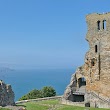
column 67, row 102
column 38, row 99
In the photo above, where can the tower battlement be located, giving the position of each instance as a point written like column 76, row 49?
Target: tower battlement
column 98, row 23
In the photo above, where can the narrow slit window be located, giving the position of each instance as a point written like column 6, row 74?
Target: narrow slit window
column 104, row 24
column 98, row 25
column 96, row 49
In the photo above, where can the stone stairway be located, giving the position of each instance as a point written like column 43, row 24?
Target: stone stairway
column 82, row 89
column 106, row 100
column 99, row 101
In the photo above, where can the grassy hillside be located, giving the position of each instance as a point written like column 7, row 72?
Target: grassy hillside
column 4, row 109
column 53, row 105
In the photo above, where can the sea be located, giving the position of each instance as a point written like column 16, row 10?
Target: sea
column 23, row 81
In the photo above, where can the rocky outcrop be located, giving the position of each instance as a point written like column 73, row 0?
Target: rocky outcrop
column 6, row 94
column 74, row 87
column 68, row 94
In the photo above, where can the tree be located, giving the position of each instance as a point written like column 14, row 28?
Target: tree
column 24, row 97
column 35, row 94
column 48, row 91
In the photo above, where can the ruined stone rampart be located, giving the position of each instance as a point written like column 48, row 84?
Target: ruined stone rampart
column 94, row 75
column 6, row 94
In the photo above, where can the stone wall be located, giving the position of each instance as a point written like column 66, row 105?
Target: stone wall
column 96, row 100
column 99, row 74
column 39, row 99
column 6, row 94
column 68, row 102
column 96, row 69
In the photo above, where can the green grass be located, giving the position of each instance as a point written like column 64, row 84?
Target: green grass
column 34, row 106
column 69, row 107
column 4, row 109
column 49, row 104
column 41, row 105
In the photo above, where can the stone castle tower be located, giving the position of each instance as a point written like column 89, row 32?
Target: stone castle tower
column 91, row 82
column 6, row 94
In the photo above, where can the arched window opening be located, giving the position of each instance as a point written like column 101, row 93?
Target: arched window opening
column 81, row 82
column 98, row 25
column 96, row 49
column 104, row 24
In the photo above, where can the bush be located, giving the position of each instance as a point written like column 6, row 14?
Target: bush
column 34, row 94
column 24, row 97
column 46, row 91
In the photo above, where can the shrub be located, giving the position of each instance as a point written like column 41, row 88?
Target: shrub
column 34, row 94
column 46, row 91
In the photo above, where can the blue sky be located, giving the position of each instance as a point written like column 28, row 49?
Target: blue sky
column 45, row 33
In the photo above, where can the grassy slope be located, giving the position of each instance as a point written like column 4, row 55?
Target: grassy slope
column 49, row 104
column 4, row 109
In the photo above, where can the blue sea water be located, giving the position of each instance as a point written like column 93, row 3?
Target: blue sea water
column 23, row 81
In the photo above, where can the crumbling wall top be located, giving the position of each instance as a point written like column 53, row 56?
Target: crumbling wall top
column 97, row 15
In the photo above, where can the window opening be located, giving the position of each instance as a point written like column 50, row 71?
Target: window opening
column 104, row 24
column 98, row 24
column 95, row 48
column 81, row 82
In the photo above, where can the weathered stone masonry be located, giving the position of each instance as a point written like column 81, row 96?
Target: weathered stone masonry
column 91, row 82
column 6, row 94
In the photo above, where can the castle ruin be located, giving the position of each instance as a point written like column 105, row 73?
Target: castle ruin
column 90, row 84
column 6, row 94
